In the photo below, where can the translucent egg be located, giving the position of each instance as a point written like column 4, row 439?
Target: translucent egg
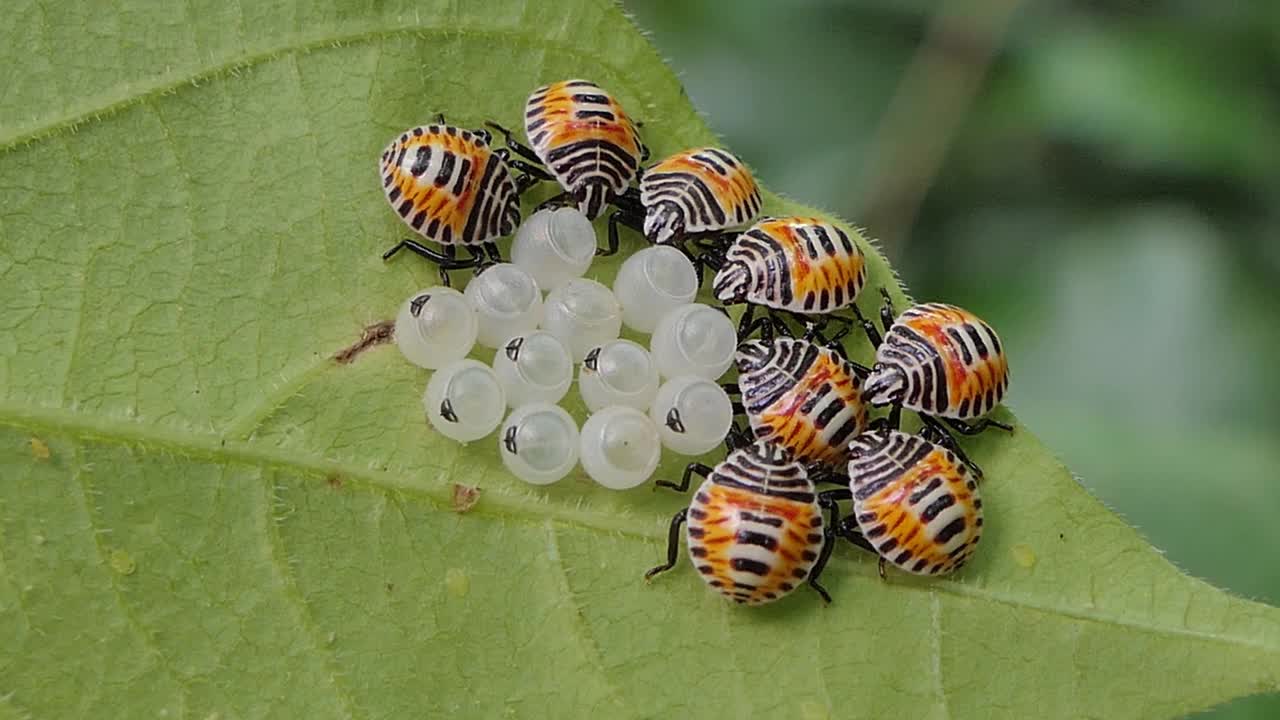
column 539, row 443
column 693, row 414
column 507, row 302
column 694, row 340
column 619, row 447
column 554, row 246
column 584, row 314
column 464, row 401
column 619, row 372
column 653, row 282
column 435, row 327
column 534, row 368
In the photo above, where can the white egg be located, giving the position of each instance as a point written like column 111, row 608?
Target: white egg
column 534, row 367
column 653, row 282
column 619, row 447
column 584, row 314
column 464, row 401
column 507, row 302
column 620, row 372
column 539, row 443
column 435, row 327
column 693, row 414
column 694, row 339
column 554, row 246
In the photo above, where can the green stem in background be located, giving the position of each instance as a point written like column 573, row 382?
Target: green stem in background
column 928, row 106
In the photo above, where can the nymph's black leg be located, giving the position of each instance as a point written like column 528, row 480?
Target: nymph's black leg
column 736, row 438
column 516, row 146
column 766, row 326
column 629, row 202
column 745, row 320
column 887, row 315
column 731, row 389
column 447, row 260
column 525, row 182
column 849, row 531
column 644, row 149
column 711, row 258
column 612, row 249
column 966, row 429
column 530, row 169
column 689, row 471
column 820, row 473
column 451, row 252
column 440, row 119
column 564, row 199
column 492, row 249
column 934, row 432
column 873, row 335
column 620, row 217
column 842, row 333
column 673, row 544
column 892, row 422
column 826, row 500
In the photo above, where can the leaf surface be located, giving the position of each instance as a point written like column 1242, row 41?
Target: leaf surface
column 203, row 515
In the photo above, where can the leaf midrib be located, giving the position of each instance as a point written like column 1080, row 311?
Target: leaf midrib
column 68, row 120
column 508, row 505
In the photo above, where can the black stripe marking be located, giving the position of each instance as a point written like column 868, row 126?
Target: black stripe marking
column 755, row 567
column 937, row 506
column 951, row 530
column 750, row 537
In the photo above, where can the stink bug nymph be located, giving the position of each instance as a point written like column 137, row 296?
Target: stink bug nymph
column 799, row 264
column 802, row 396
column 915, row 502
column 941, row 361
column 692, row 193
column 755, row 526
column 584, row 138
column 449, row 187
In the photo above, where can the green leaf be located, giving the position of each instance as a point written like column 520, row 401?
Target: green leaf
column 203, row 515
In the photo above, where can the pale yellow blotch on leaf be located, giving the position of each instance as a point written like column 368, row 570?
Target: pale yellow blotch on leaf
column 457, row 582
column 810, row 710
column 122, row 562
column 39, row 449
column 1024, row 555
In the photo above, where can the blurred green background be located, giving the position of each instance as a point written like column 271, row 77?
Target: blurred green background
column 1099, row 180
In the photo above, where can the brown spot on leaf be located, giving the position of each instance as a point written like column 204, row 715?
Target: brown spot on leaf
column 464, row 497
column 376, row 334
column 334, row 481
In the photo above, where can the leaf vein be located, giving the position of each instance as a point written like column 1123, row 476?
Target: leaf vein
column 439, row 493
column 96, row 533
column 232, row 65
column 293, row 594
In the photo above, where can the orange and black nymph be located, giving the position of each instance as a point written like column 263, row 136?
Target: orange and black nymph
column 696, row 193
column 585, row 141
column 915, row 502
column 801, row 264
column 755, row 526
column 941, row 361
column 801, row 396
column 450, row 187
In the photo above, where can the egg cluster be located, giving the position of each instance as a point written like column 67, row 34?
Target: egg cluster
column 757, row 526
column 640, row 399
